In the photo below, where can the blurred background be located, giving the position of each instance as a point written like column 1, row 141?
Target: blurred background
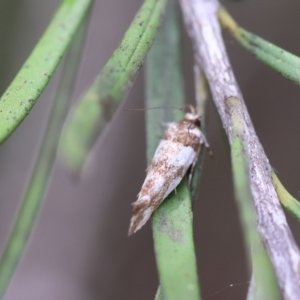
column 79, row 248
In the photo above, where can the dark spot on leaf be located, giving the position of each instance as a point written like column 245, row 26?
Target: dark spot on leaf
column 45, row 74
column 176, row 235
column 141, row 23
column 108, row 107
column 163, row 224
column 253, row 43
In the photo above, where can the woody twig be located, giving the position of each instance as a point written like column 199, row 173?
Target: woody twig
column 203, row 27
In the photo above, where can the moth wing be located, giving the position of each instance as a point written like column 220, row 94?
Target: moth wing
column 186, row 156
column 170, row 163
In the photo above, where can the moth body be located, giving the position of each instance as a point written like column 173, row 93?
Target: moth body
column 176, row 153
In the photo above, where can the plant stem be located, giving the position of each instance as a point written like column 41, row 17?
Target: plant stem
column 204, row 29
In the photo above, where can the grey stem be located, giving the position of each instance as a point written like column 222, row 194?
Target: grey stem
column 203, row 27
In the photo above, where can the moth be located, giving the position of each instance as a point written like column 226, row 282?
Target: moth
column 176, row 154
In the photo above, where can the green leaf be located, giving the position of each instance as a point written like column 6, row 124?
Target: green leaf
column 174, row 246
column 36, row 72
column 291, row 204
column 172, row 221
column 264, row 277
column 159, row 295
column 39, row 180
column 91, row 114
column 282, row 61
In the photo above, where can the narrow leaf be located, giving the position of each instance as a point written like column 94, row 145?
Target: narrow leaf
column 174, row 246
column 265, row 282
column 159, row 295
column 286, row 199
column 39, row 180
column 172, row 221
column 36, row 72
column 287, row 64
column 91, row 114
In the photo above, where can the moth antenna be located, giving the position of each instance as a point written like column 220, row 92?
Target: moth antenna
column 191, row 108
column 148, row 108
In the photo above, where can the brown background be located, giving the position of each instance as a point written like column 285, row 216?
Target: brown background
column 79, row 249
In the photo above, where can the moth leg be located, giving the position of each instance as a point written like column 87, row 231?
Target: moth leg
column 191, row 169
column 191, row 176
column 206, row 144
column 210, row 153
column 166, row 125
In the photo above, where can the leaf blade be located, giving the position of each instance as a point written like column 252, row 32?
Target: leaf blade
column 91, row 114
column 290, row 203
column 36, row 72
column 172, row 221
column 264, row 277
column 282, row 61
column 37, row 185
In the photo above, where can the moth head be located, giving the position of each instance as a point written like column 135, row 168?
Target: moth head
column 193, row 118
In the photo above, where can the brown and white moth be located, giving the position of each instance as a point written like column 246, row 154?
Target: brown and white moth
column 176, row 153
